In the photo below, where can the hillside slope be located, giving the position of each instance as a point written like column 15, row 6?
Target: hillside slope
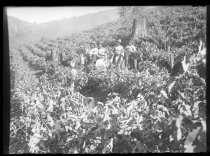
column 24, row 32
column 18, row 30
column 113, row 110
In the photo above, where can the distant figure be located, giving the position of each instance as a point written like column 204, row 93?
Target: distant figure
column 49, row 56
column 131, row 55
column 74, row 45
column 64, row 59
column 72, row 66
column 82, row 60
column 87, row 56
column 110, row 56
column 102, row 52
column 81, row 52
column 73, row 74
column 93, row 53
column 102, row 62
column 119, row 54
column 55, row 57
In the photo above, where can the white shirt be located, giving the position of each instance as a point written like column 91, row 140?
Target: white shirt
column 93, row 51
column 102, row 51
column 131, row 48
column 119, row 50
column 72, row 63
column 82, row 59
column 101, row 63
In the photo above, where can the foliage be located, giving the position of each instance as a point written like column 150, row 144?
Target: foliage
column 179, row 26
column 133, row 112
column 133, row 12
column 146, row 123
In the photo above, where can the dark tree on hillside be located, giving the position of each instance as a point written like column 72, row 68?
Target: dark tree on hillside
column 132, row 12
column 123, row 11
column 137, row 14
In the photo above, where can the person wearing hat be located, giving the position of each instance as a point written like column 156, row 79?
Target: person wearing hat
column 130, row 55
column 101, row 51
column 71, row 77
column 81, row 52
column 64, row 59
column 87, row 56
column 102, row 62
column 56, row 55
column 93, row 53
column 119, row 54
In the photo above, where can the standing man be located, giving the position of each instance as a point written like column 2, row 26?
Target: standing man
column 93, row 53
column 72, row 76
column 64, row 58
column 55, row 56
column 131, row 55
column 102, row 53
column 103, row 57
column 119, row 54
column 87, row 56
column 82, row 60
column 74, row 45
column 81, row 52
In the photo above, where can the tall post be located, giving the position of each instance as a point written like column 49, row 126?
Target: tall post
column 140, row 27
column 171, row 56
column 165, row 46
column 172, row 60
column 145, row 28
column 134, row 28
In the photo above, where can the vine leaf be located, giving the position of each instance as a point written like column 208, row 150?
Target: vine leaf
column 170, row 86
column 139, row 148
column 108, row 146
column 190, row 139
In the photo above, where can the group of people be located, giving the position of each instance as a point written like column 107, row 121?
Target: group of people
column 119, row 56
column 99, row 56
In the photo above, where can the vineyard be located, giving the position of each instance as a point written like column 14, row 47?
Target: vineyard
column 113, row 110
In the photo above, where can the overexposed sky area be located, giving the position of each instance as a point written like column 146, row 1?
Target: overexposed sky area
column 46, row 14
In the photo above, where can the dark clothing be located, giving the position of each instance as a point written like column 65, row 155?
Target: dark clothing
column 127, row 59
column 94, row 58
column 134, row 59
column 88, row 59
column 49, row 56
column 64, row 60
column 117, row 61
